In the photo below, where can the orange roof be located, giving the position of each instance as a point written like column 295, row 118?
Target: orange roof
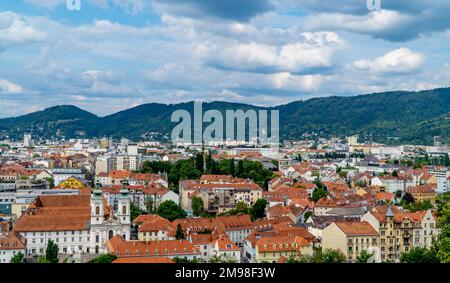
column 143, row 260
column 225, row 244
column 12, row 242
column 281, row 244
column 121, row 248
column 356, row 228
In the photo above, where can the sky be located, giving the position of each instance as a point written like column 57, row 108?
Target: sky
column 115, row 54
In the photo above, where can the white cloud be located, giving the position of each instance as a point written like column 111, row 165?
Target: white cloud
column 401, row 61
column 9, row 87
column 14, row 30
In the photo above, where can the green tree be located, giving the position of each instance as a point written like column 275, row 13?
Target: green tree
column 106, row 258
column 51, row 253
column 221, row 259
column 232, row 168
column 135, row 211
column 419, row 255
column 197, row 206
column 199, row 162
column 442, row 245
column 241, row 208
column 333, row 256
column 319, row 193
column 18, row 258
column 240, row 168
column 170, row 210
column 179, row 235
column 258, row 209
column 364, row 257
column 42, row 259
column 208, row 163
column 185, row 260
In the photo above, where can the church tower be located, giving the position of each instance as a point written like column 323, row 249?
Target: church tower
column 123, row 206
column 97, row 209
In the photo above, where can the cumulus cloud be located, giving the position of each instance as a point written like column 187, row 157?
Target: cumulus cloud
column 397, row 21
column 401, row 61
column 313, row 51
column 9, row 87
column 14, row 30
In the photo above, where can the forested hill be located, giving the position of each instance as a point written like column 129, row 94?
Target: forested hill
column 393, row 117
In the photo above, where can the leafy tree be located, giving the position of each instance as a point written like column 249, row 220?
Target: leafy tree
column 170, row 210
column 442, row 245
column 185, row 260
column 221, row 259
column 319, row 193
column 394, row 173
column 240, row 168
column 241, row 208
column 307, row 215
column 199, row 162
column 333, row 256
column 179, row 235
column 232, row 168
column 106, row 258
column 208, row 164
column 258, row 209
column 197, row 206
column 18, row 258
column 51, row 253
column 419, row 255
column 135, row 211
column 42, row 259
column 364, row 257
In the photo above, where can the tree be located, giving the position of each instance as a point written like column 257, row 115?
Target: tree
column 307, row 215
column 333, row 256
column 51, row 253
column 178, row 259
column 319, row 193
column 199, row 163
column 221, row 259
column 106, row 258
column 135, row 211
column 241, row 208
column 442, row 245
column 208, row 164
column 179, row 234
column 232, row 173
column 240, row 168
column 18, row 258
column 394, row 173
column 419, row 255
column 197, row 206
column 364, row 257
column 170, row 210
column 42, row 259
column 258, row 209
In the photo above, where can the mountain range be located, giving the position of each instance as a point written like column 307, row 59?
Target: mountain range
column 389, row 117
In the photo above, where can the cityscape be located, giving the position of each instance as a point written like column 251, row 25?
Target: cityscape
column 239, row 133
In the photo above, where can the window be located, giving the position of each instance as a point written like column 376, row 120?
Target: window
column 97, row 210
column 124, row 209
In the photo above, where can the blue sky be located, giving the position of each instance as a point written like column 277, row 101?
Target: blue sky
column 116, row 54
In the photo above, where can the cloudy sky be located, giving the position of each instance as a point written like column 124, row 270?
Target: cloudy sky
column 115, row 54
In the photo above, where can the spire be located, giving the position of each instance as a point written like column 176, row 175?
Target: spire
column 389, row 212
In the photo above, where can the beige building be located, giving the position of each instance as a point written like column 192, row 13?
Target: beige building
column 270, row 249
column 400, row 231
column 351, row 238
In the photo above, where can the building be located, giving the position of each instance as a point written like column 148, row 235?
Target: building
column 351, row 238
column 79, row 224
column 423, row 192
column 127, row 162
column 152, row 249
column 73, row 183
column 61, row 174
column 152, row 227
column 401, row 231
column 270, row 249
column 10, row 245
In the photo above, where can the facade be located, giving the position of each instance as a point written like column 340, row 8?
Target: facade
column 351, row 238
